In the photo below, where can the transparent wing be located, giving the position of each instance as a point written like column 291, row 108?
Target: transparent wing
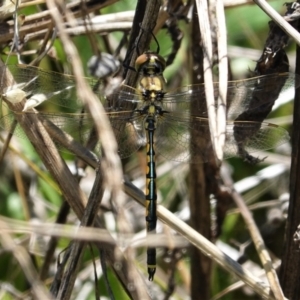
column 128, row 131
column 243, row 95
column 60, row 90
column 173, row 138
column 127, row 98
column 253, row 136
column 39, row 84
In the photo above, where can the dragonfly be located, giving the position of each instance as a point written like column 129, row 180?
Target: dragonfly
column 161, row 121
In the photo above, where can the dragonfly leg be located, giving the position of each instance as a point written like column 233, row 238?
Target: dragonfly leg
column 250, row 158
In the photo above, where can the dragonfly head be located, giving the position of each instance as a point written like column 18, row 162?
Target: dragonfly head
column 150, row 63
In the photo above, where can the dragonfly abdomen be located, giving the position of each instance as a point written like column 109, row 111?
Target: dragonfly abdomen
column 151, row 193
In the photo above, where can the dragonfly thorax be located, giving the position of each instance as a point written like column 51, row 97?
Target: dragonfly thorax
column 151, row 83
column 152, row 89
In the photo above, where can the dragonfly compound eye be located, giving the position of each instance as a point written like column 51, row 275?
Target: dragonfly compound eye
column 150, row 63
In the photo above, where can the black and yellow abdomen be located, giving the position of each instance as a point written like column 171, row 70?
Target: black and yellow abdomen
column 151, row 193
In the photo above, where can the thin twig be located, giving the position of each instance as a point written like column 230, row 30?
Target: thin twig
column 77, row 250
column 24, row 260
column 223, row 75
column 205, row 29
column 35, row 26
column 279, row 20
column 257, row 239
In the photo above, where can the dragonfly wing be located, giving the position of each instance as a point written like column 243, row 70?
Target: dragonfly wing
column 182, row 99
column 6, row 124
column 40, row 85
column 128, row 98
column 76, row 125
column 80, row 128
column 253, row 99
column 129, row 131
column 126, row 120
column 255, row 96
column 174, row 139
column 243, row 138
